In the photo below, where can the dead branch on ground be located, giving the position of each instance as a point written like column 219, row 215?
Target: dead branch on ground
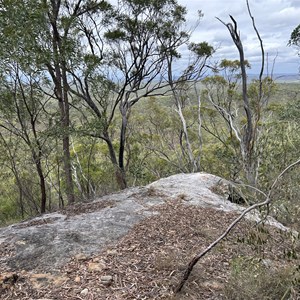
column 267, row 201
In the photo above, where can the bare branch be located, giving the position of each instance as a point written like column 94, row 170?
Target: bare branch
column 267, row 201
column 227, row 117
column 261, row 44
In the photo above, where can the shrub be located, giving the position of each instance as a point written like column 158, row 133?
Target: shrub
column 256, row 279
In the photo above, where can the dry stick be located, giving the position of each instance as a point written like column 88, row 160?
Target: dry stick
column 230, row 227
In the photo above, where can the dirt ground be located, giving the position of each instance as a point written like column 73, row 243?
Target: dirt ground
column 149, row 261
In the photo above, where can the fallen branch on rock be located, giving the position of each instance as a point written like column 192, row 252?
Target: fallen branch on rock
column 267, row 201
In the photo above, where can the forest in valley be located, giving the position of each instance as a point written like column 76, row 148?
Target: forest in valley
column 96, row 97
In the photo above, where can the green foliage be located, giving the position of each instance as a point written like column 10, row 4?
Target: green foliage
column 21, row 26
column 9, row 206
column 94, row 176
column 295, row 37
column 100, row 41
column 9, row 212
column 232, row 65
column 215, row 80
column 281, row 148
column 267, row 87
column 221, row 161
column 291, row 112
column 253, row 279
column 201, row 49
column 141, row 21
column 116, row 34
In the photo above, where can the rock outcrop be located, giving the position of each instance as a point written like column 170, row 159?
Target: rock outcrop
column 47, row 242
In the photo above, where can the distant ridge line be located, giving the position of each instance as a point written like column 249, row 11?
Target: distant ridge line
column 279, row 77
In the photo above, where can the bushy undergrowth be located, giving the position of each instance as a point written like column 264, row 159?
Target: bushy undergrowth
column 258, row 279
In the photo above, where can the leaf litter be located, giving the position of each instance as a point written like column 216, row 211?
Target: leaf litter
column 149, row 261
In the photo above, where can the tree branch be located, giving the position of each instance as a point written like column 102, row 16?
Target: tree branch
column 267, row 201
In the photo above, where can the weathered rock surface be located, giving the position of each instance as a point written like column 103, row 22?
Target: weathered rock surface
column 47, row 242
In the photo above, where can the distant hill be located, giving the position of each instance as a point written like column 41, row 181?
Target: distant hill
column 280, row 77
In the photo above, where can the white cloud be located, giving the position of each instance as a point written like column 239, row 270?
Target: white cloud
column 275, row 20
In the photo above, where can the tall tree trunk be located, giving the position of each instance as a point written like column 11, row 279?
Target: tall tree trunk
column 66, row 139
column 248, row 138
column 37, row 157
column 193, row 165
column 59, row 77
column 120, row 176
column 66, row 153
column 121, row 173
column 42, row 186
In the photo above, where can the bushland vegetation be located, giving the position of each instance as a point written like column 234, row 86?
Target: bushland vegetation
column 96, row 98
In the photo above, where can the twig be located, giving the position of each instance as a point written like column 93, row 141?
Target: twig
column 231, row 226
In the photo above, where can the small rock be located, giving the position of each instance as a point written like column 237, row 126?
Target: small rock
column 214, row 285
column 77, row 279
column 92, row 266
column 21, row 242
column 40, row 280
column 107, row 280
column 112, row 252
column 80, row 257
column 84, row 292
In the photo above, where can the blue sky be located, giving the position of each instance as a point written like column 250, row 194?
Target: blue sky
column 275, row 20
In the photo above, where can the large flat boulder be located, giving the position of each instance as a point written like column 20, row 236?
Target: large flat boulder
column 47, row 242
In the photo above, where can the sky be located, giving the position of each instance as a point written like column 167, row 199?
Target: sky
column 275, row 20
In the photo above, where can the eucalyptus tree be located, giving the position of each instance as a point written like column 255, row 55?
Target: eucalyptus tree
column 221, row 110
column 44, row 34
column 109, row 57
column 295, row 38
column 30, row 31
column 22, row 119
column 181, row 84
column 129, row 58
column 62, row 32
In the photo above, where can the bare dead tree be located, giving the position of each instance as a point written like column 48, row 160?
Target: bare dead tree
column 247, row 139
column 249, row 134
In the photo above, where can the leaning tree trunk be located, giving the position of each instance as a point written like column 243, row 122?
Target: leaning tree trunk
column 121, row 173
column 193, row 164
column 58, row 73
column 120, row 177
column 42, row 187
